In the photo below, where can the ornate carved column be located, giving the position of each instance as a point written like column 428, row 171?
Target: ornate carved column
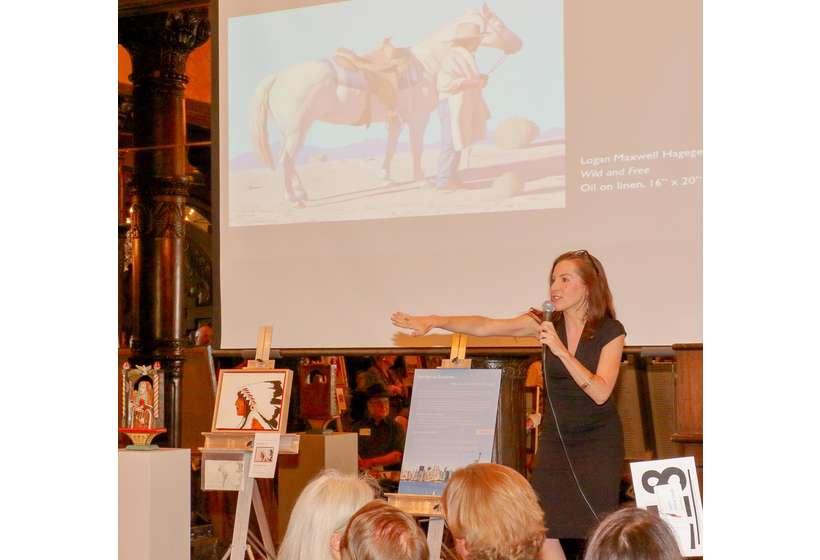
column 510, row 435
column 159, row 44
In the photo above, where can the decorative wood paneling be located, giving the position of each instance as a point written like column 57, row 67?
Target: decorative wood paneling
column 689, row 402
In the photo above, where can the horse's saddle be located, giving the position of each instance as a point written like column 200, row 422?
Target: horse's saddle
column 382, row 69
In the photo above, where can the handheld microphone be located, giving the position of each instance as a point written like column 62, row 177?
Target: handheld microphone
column 547, row 308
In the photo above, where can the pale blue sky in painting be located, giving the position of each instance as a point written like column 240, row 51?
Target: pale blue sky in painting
column 529, row 83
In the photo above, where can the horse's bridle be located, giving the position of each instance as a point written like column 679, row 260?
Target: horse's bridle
column 492, row 22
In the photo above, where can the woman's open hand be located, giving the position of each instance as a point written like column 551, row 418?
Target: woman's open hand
column 418, row 324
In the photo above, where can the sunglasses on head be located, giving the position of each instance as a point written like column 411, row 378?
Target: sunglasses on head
column 583, row 253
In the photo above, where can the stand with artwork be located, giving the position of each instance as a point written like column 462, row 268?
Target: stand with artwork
column 467, row 437
column 251, row 405
column 142, row 412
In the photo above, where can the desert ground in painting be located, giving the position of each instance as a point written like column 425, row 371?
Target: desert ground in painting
column 494, row 180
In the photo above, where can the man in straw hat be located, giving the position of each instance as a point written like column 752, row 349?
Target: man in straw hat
column 462, row 110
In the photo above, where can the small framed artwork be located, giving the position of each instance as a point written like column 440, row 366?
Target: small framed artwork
column 532, row 399
column 222, row 475
column 341, row 401
column 316, row 384
column 252, row 400
column 141, row 397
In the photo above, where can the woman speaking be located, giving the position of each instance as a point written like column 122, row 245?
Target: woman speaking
column 580, row 455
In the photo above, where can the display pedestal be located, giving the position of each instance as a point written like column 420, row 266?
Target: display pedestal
column 338, row 451
column 155, row 504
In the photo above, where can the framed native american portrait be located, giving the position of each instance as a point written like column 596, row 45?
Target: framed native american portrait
column 252, row 400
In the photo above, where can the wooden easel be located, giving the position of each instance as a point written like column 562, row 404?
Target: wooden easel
column 247, row 495
column 430, row 506
column 263, row 340
column 458, row 349
column 230, row 444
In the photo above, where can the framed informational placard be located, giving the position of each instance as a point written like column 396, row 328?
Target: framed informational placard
column 452, row 424
column 670, row 488
column 252, row 400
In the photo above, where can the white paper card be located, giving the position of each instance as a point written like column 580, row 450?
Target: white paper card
column 670, row 499
column 265, row 453
column 289, row 444
column 670, row 488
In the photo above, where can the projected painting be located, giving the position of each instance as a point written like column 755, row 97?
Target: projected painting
column 373, row 109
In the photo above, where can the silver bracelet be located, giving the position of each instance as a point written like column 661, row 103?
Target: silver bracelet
column 588, row 383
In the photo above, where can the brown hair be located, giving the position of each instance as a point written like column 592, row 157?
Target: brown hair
column 632, row 534
column 379, row 531
column 593, row 276
column 495, row 510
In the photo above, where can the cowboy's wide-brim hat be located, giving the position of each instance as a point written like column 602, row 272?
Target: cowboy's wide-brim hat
column 467, row 32
column 377, row 391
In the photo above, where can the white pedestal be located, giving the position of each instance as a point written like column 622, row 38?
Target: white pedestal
column 155, row 504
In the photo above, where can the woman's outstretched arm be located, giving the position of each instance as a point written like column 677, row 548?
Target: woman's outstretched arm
column 476, row 325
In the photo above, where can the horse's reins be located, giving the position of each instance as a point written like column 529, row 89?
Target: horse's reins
column 498, row 63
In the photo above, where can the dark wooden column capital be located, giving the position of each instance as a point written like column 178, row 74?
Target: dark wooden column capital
column 160, row 219
column 160, row 43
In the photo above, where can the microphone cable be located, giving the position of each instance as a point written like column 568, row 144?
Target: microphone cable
column 548, row 308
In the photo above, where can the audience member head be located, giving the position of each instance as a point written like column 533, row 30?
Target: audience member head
column 320, row 514
column 383, row 362
column 493, row 513
column 379, row 531
column 398, row 369
column 632, row 534
column 378, row 402
column 204, row 335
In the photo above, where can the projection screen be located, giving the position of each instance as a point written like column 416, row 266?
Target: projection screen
column 330, row 139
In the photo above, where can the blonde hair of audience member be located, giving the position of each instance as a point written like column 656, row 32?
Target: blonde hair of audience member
column 379, row 531
column 632, row 534
column 320, row 515
column 493, row 513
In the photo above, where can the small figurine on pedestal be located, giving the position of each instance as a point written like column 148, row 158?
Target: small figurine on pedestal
column 142, row 416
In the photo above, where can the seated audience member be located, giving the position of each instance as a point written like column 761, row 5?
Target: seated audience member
column 493, row 514
column 381, row 439
column 400, row 403
column 320, row 515
column 204, row 335
column 381, row 373
column 379, row 531
column 632, row 534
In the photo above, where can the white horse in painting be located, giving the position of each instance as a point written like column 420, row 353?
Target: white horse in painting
column 303, row 93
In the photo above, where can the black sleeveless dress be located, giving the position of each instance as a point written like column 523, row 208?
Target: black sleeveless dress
column 594, row 441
